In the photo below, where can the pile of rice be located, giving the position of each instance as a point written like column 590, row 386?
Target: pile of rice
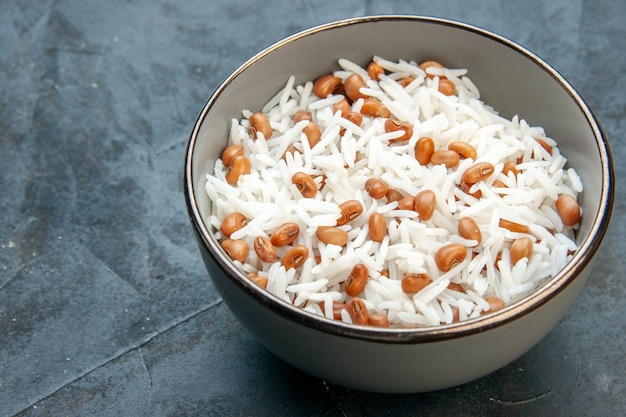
column 348, row 155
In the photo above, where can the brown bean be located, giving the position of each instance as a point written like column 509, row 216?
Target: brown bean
column 240, row 165
column 342, row 106
column 464, row 149
column 260, row 123
column 357, row 280
column 446, row 157
column 377, row 227
column 568, row 209
column 446, row 87
column 264, row 249
column 302, row 115
column 312, row 133
column 376, row 188
column 332, row 235
column 354, row 117
column 497, row 260
column 232, row 222
column 477, row 172
column 466, row 189
column 495, row 304
column 295, row 257
column 450, row 255
column 374, row 108
column 378, row 320
column 499, row 184
column 521, row 248
column 337, row 308
column 374, row 70
column 285, row 234
column 230, row 153
column 510, row 166
column 544, row 145
column 406, row 203
column 236, row 249
column 513, row 227
column 358, row 311
column 393, row 195
column 454, row 286
column 305, row 184
column 322, row 182
column 350, row 210
column 429, row 64
column 258, row 279
column 352, row 85
column 455, row 314
column 424, row 149
column 412, row 283
column 392, row 125
column 424, row 203
column 468, row 229
column 404, row 82
column 292, row 149
column 384, row 273
column 326, row 85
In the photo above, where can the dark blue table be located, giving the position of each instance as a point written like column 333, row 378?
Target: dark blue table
column 105, row 307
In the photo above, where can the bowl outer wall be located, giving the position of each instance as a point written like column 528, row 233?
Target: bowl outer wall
column 537, row 94
column 387, row 367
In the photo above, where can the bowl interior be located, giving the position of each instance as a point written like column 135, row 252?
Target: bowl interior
column 510, row 78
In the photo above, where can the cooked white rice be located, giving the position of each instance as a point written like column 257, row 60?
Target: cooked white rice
column 267, row 198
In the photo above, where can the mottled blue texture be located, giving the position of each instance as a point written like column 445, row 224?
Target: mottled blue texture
column 105, row 307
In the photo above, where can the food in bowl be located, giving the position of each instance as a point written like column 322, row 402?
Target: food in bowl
column 415, row 358
column 391, row 195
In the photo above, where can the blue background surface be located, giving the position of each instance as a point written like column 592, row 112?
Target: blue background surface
column 105, row 307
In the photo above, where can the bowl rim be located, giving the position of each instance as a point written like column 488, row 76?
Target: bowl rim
column 549, row 290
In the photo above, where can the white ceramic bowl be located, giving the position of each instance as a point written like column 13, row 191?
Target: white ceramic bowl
column 514, row 81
